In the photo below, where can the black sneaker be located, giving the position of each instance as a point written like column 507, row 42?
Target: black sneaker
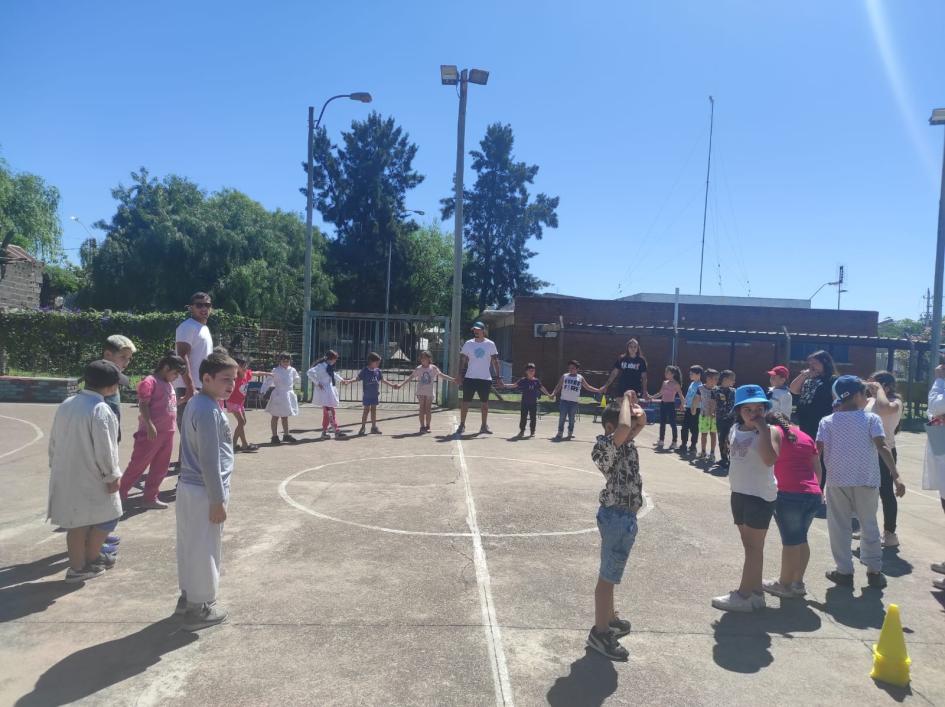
column 607, row 645
column 204, row 616
column 461, row 429
column 361, row 432
column 375, row 430
column 289, row 439
column 619, row 627
column 877, row 580
column 181, row 608
column 844, row 580
column 274, row 440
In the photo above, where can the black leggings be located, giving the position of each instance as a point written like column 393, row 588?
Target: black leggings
column 725, row 427
column 529, row 413
column 690, row 426
column 887, row 495
column 667, row 415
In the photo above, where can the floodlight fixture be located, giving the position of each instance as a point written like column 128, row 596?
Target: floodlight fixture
column 449, row 74
column 362, row 96
column 479, row 76
column 938, row 117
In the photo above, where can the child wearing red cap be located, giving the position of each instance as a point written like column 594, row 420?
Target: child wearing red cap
column 779, row 394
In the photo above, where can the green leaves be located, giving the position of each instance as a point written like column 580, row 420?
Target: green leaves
column 29, row 214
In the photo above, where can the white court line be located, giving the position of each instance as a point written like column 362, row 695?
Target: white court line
column 500, row 669
column 39, row 435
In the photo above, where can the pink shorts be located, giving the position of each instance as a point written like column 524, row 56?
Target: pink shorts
column 235, row 407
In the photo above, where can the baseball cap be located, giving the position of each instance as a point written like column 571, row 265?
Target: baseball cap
column 479, row 325
column 780, row 371
column 102, row 374
column 747, row 394
column 845, row 386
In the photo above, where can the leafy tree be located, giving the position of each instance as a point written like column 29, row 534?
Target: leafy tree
column 499, row 219
column 64, row 280
column 903, row 328
column 29, row 214
column 360, row 188
column 427, row 284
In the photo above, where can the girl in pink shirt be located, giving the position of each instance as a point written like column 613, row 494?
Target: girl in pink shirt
column 669, row 392
column 157, row 422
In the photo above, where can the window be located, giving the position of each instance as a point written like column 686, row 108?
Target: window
column 840, row 352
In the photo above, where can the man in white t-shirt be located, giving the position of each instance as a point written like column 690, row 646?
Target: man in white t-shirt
column 476, row 360
column 193, row 343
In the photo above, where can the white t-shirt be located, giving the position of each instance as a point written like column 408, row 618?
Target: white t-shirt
column 747, row 472
column 782, row 401
column 571, row 387
column 849, row 451
column 197, row 335
column 480, row 355
column 890, row 421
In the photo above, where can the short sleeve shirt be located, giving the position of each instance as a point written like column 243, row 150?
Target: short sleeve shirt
column 530, row 389
column 197, row 336
column 426, row 378
column 631, row 374
column 793, row 468
column 371, row 380
column 238, row 396
column 849, row 450
column 571, row 387
column 707, row 399
column 724, row 402
column 479, row 354
column 161, row 400
column 621, row 469
column 814, row 403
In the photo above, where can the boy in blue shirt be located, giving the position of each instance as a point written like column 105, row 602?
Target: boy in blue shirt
column 691, row 420
column 371, row 378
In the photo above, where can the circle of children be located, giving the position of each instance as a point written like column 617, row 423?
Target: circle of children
column 833, row 450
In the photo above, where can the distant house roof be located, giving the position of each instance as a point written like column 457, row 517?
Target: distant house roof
column 718, row 300
column 15, row 254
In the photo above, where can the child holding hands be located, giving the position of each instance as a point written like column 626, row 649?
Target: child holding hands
column 426, row 375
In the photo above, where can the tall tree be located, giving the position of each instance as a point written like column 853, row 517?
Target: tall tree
column 29, row 214
column 360, row 188
column 500, row 217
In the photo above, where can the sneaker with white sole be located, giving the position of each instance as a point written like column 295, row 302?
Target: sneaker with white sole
column 104, row 560
column 758, row 601
column 711, row 458
column 484, row 430
column 733, row 601
column 890, row 539
column 659, row 445
column 204, row 616
column 619, row 627
column 607, row 645
column 88, row 572
column 938, row 567
column 799, row 589
column 773, row 586
column 938, row 583
column 181, row 608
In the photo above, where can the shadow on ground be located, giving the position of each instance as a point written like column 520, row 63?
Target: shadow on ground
column 95, row 668
column 21, row 592
column 863, row 611
column 743, row 641
column 591, row 681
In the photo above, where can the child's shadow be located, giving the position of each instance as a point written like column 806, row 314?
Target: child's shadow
column 864, row 611
column 893, row 564
column 591, row 681
column 743, row 641
column 408, row 435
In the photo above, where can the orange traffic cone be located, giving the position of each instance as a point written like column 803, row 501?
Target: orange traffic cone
column 890, row 660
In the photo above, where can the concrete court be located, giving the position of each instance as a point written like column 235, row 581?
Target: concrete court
column 365, row 581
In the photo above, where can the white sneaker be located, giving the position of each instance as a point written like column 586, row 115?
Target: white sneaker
column 733, row 601
column 890, row 539
column 799, row 589
column 773, row 586
column 711, row 458
column 659, row 444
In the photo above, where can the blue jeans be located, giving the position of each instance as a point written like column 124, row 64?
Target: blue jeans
column 566, row 409
column 794, row 512
column 618, row 530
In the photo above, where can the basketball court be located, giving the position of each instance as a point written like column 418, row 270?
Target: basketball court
column 430, row 570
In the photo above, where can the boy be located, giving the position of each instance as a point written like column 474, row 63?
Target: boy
column 371, row 378
column 203, row 490
column 570, row 386
column 118, row 349
column 849, row 440
column 704, row 402
column 531, row 389
column 691, row 420
column 84, row 472
column 779, row 394
column 724, row 402
column 616, row 456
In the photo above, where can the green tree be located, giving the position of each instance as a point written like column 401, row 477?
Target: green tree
column 29, row 214
column 361, row 188
column 61, row 280
column 427, row 283
column 500, row 217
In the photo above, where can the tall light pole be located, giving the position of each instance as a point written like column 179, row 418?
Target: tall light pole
column 313, row 124
column 76, row 219
column 450, row 76
column 390, row 244
column 938, row 118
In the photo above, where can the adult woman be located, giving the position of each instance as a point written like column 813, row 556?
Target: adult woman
column 881, row 388
column 933, row 474
column 812, row 391
column 629, row 371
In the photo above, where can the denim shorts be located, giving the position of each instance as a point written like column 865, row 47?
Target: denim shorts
column 794, row 512
column 618, row 530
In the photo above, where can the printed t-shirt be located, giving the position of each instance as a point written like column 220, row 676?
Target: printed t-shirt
column 530, row 389
column 631, row 374
column 371, row 380
column 238, row 396
column 781, row 401
column 793, row 468
column 706, row 399
column 621, row 469
column 724, row 402
column 571, row 387
column 691, row 393
column 426, row 378
column 849, row 451
column 479, row 354
column 161, row 400
column 747, row 471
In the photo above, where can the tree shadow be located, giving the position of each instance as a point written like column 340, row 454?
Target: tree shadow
column 592, row 680
column 743, row 641
column 864, row 611
column 89, row 670
column 31, row 571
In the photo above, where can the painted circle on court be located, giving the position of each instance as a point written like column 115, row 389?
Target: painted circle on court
column 286, row 496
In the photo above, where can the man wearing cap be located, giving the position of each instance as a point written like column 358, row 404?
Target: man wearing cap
column 779, row 394
column 476, row 361
column 193, row 343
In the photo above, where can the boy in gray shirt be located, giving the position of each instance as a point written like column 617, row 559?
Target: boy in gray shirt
column 203, row 490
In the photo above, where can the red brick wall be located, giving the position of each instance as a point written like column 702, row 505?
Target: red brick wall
column 598, row 351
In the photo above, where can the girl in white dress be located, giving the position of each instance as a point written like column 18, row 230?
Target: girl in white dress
column 324, row 379
column 283, row 403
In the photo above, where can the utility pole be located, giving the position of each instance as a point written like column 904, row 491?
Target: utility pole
column 840, row 289
column 456, row 316
column 307, row 293
column 705, row 206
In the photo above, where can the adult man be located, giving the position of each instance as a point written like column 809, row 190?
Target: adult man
column 194, row 344
column 476, row 359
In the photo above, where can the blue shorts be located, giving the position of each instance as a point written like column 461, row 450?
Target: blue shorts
column 618, row 530
column 794, row 512
column 370, row 402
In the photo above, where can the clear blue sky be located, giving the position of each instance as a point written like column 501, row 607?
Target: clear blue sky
column 822, row 155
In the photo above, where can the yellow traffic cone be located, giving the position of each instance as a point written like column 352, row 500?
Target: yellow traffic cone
column 890, row 660
column 603, row 401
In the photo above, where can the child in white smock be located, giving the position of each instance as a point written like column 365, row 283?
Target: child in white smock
column 325, row 393
column 283, row 402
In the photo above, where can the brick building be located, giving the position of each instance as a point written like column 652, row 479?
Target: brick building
column 21, row 279
column 748, row 335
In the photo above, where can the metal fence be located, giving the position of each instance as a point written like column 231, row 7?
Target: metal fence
column 398, row 339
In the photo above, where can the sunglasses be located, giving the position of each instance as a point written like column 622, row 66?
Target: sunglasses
column 202, row 305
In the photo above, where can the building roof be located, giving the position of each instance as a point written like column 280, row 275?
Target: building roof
column 718, row 300
column 15, row 254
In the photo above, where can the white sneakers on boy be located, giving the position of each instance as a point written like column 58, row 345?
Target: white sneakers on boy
column 733, row 601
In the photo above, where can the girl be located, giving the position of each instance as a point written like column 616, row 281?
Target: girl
column 157, row 422
column 426, row 375
column 669, row 391
column 323, row 377
column 283, row 402
column 236, row 404
column 754, row 450
column 881, row 388
column 631, row 369
column 797, row 471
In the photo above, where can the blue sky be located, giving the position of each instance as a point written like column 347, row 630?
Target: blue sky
column 822, row 151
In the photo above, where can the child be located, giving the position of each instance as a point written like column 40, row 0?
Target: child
column 283, row 402
column 426, row 375
column 669, row 391
column 203, row 491
column 884, row 401
column 371, row 378
column 849, row 440
column 323, row 377
column 691, row 420
column 724, row 402
column 570, row 386
column 704, row 402
column 118, row 349
column 84, row 472
column 779, row 394
column 531, row 389
column 157, row 422
column 755, row 448
column 616, row 456
column 236, row 404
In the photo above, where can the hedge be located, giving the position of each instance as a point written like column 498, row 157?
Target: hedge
column 61, row 343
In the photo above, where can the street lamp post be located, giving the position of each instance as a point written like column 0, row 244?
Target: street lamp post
column 76, row 219
column 938, row 118
column 451, row 76
column 313, row 124
column 390, row 244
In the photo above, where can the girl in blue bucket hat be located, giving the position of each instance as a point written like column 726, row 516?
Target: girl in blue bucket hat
column 754, row 449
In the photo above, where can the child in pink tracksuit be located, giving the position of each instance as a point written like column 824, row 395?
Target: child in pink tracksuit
column 157, row 422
